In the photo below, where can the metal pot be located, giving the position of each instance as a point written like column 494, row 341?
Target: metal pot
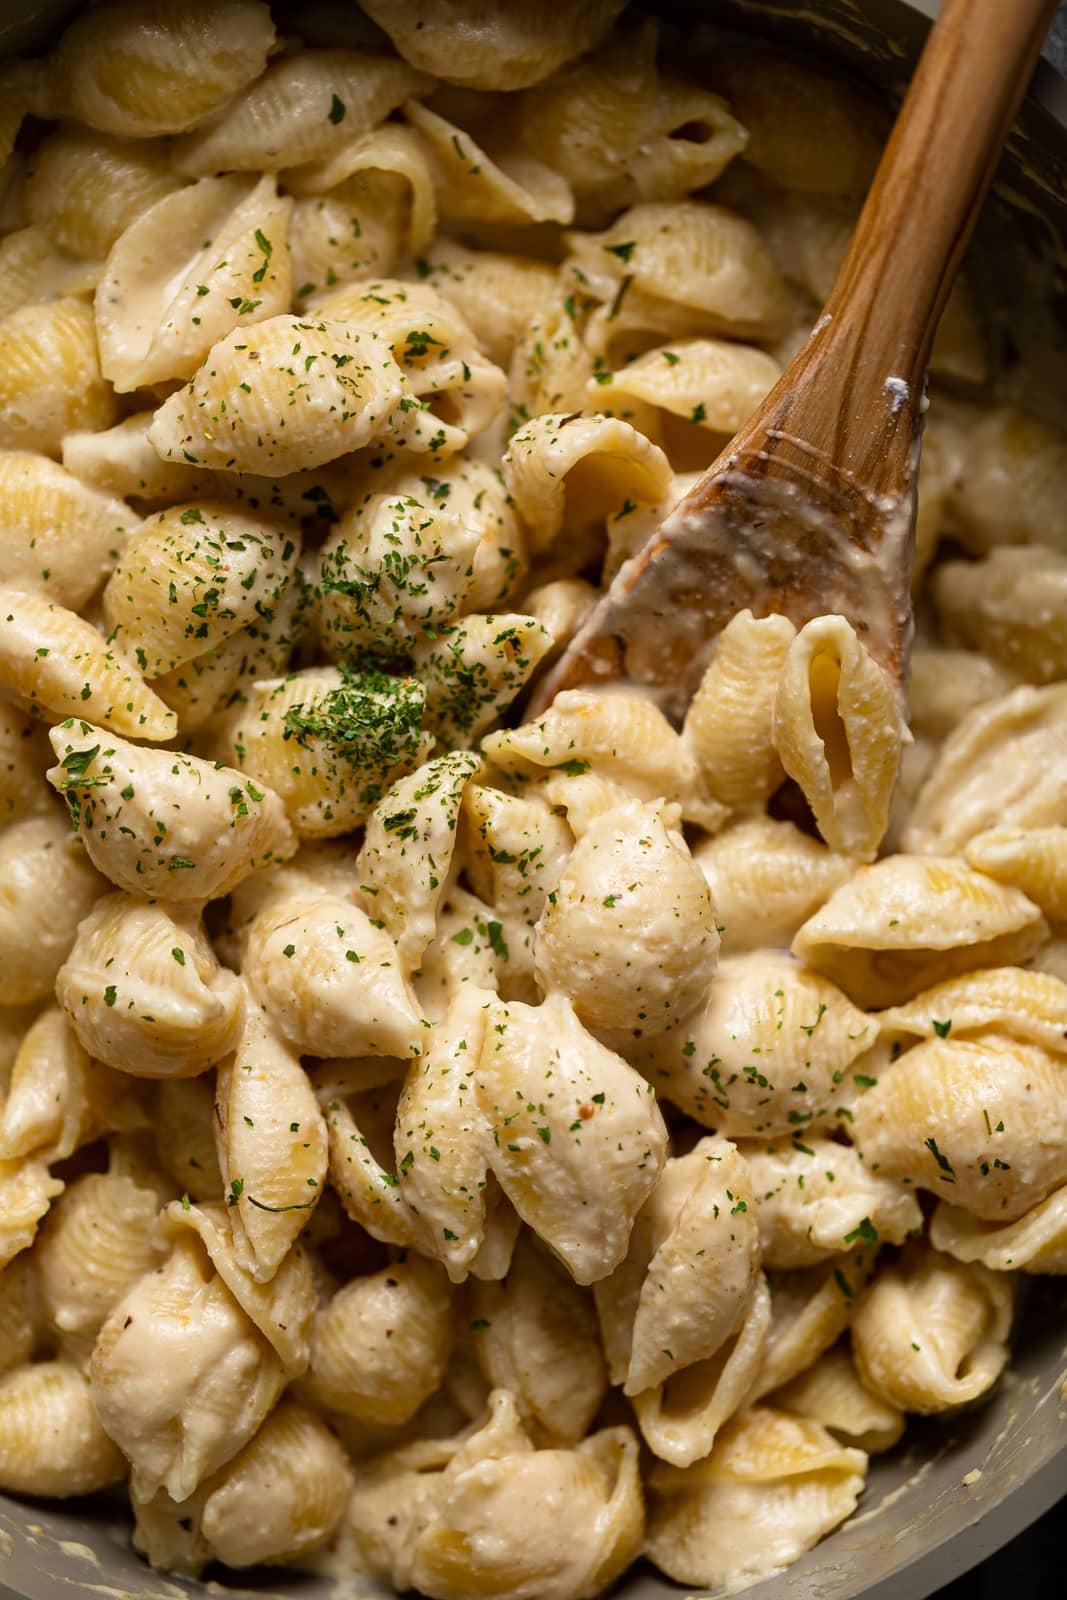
column 957, row 1488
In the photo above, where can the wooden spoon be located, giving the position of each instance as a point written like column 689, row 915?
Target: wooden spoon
column 810, row 509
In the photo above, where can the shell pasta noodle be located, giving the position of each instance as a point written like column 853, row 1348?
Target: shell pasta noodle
column 413, row 1113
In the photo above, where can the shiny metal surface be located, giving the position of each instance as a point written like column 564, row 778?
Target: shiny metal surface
column 958, row 1488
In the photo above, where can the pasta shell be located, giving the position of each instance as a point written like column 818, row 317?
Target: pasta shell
column 384, row 175
column 381, row 1344
column 730, row 722
column 57, row 1098
column 250, row 409
column 33, row 270
column 95, row 1245
column 62, row 537
column 817, row 1198
column 54, row 662
column 557, row 1167
column 905, row 923
column 711, row 383
column 944, row 685
column 47, row 885
column 305, row 107
column 27, row 1189
column 144, row 992
column 481, row 177
column 764, row 1056
column 766, row 878
column 630, row 933
column 514, row 851
column 1033, row 859
column 1031, row 1006
column 930, row 1334
column 19, row 1313
column 183, row 1123
column 1008, row 491
column 1004, row 766
column 212, row 683
column 83, row 189
column 980, row 1121
column 488, row 45
column 1012, row 605
column 832, row 1393
column 497, row 295
column 51, row 1441
column 271, row 1144
column 537, row 1337
column 773, row 1486
column 190, row 578
column 158, row 823
column 407, row 850
column 126, row 73
column 24, row 89
column 283, row 1496
column 197, row 265
column 50, row 379
column 474, row 669
column 330, row 980
column 22, row 766
column 1035, row 1242
column 180, row 1377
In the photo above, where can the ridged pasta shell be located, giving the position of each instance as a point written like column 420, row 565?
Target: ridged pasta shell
column 832, row 1393
column 381, row 1344
column 630, row 933
column 385, row 175
column 50, row 379
column 85, row 188
column 514, row 848
column 61, row 537
column 1033, row 859
column 930, row 1333
column 489, row 45
column 184, row 1127
column 283, row 1496
column 255, row 407
column 944, row 685
column 1035, row 1242
column 980, row 1121
column 180, row 1377
column 22, row 766
column 730, row 722
column 54, row 662
column 330, row 980
column 816, row 1198
column 127, row 73
column 711, row 383
column 20, row 1312
column 766, row 878
column 190, row 578
column 32, row 270
column 481, row 177
column 1012, row 605
column 27, row 1189
column 474, row 669
column 305, row 106
column 1004, row 766
column 57, row 1098
column 271, row 1143
column 159, row 823
column 144, row 992
column 810, row 1310
column 47, row 885
column 538, row 1068
column 212, row 683
column 201, row 263
column 95, row 1245
column 497, row 295
column 1031, row 1006
column 773, row 1486
column 330, row 742
column 908, row 922
column 537, row 1337
column 51, row 1440
column 763, row 1057
column 1009, row 489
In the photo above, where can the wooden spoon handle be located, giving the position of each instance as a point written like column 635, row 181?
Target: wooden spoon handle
column 855, row 390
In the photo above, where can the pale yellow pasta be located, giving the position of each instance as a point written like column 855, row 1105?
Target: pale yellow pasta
column 61, row 537
column 209, row 259
column 551, row 366
column 47, row 885
column 380, row 1345
column 27, row 1189
column 810, row 1310
column 498, row 295
column 978, row 1120
column 478, row 176
column 306, row 106
column 51, row 1440
column 1004, row 765
column 50, row 379
column 772, row 1487
column 212, row 824
column 270, row 1140
column 1009, row 490
column 126, row 73
column 765, row 1054
column 1033, row 859
column 514, row 851
column 832, row 1393
column 944, row 685
column 767, row 878
column 490, row 45
column 83, row 189
column 57, row 1099
column 709, row 383
column 96, row 1243
column 729, row 725
column 930, row 1333
column 578, row 1181
column 380, row 182
column 33, row 270
column 284, row 394
column 1035, row 1242
column 816, row 1198
column 1030, row 1006
column 1012, row 605
column 180, row 1376
column 838, row 731
column 427, row 1513
column 144, row 992
column 19, row 1313
column 183, row 1123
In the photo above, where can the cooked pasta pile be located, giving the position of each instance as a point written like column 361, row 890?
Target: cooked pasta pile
column 470, row 1151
